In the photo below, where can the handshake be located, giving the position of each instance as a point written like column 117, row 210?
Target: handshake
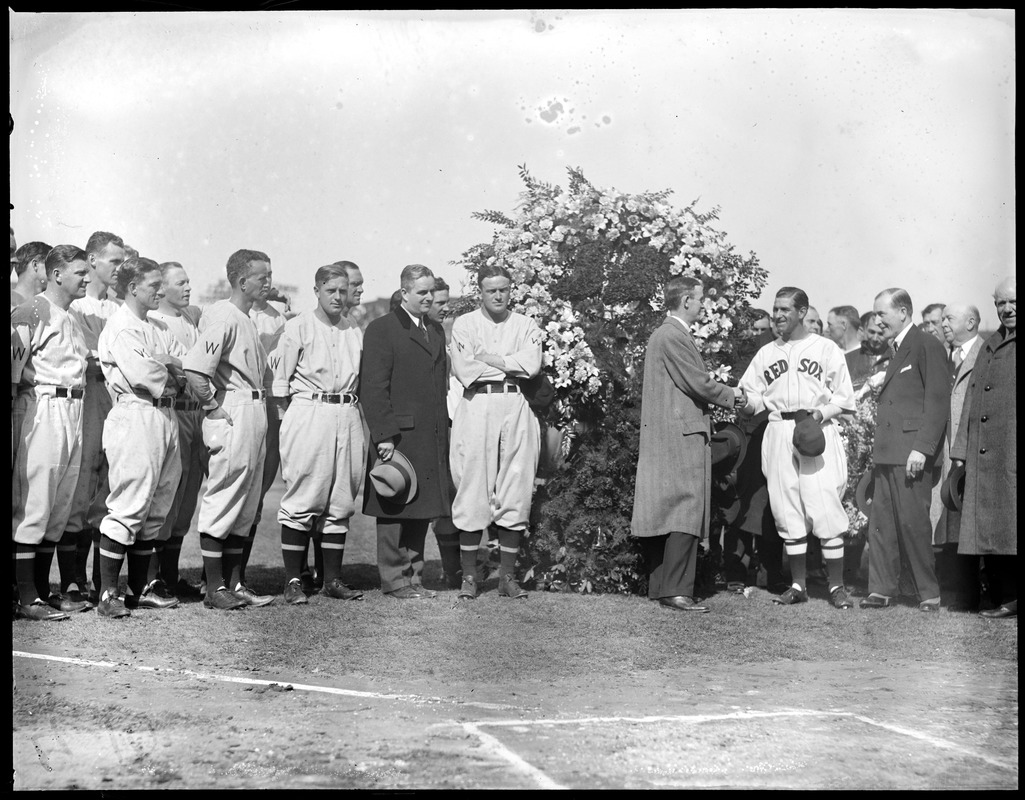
column 739, row 398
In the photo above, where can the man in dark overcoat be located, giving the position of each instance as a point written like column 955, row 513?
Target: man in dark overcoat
column 910, row 422
column 403, row 386
column 986, row 444
column 674, row 465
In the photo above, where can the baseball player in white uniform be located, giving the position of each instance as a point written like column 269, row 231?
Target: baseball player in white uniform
column 316, row 373
column 803, row 374
column 46, row 471
column 140, row 440
column 496, row 439
column 106, row 253
column 227, row 372
column 180, row 321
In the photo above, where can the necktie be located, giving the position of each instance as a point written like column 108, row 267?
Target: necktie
column 423, row 330
column 956, row 358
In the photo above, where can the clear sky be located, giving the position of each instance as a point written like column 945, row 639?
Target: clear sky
column 851, row 150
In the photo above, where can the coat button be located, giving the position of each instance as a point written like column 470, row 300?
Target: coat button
column 984, row 418
column 987, row 388
column 982, row 451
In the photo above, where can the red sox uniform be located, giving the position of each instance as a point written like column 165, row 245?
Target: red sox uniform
column 88, row 507
column 322, row 443
column 141, row 437
column 805, row 493
column 496, row 438
column 184, row 329
column 50, row 451
column 229, row 353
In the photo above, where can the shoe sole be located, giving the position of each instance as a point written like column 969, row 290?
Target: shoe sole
column 208, row 604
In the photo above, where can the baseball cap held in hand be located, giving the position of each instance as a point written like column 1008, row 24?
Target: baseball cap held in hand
column 809, row 440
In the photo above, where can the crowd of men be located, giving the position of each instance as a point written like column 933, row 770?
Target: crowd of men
column 132, row 410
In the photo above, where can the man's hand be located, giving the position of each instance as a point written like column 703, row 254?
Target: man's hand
column 956, row 462
column 739, row 397
column 280, row 406
column 220, row 413
column 385, row 450
column 916, row 464
column 168, row 360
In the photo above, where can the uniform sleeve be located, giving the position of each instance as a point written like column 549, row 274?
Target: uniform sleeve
column 375, row 383
column 936, row 403
column 134, row 358
column 205, row 354
column 753, row 384
column 465, row 367
column 284, row 360
column 526, row 362
column 687, row 371
column 19, row 354
column 838, row 379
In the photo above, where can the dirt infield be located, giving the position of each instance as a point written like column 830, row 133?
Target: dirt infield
column 385, row 695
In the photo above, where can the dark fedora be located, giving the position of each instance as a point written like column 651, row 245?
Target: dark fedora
column 863, row 494
column 394, row 480
column 952, row 491
column 726, row 497
column 729, row 444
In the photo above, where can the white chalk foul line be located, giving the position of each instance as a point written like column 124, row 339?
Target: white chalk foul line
column 519, row 765
column 304, row 687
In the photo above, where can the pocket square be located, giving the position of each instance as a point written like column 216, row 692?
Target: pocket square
column 905, row 369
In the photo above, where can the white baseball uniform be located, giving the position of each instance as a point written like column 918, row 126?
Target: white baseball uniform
column 496, row 439
column 323, row 448
column 184, row 329
column 269, row 324
column 141, row 437
column 19, row 398
column 48, row 458
column 805, row 493
column 88, row 506
column 229, row 353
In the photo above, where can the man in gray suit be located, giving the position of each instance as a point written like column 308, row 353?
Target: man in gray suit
column 674, row 465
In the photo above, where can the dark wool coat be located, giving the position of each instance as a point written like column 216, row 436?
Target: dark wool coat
column 674, row 465
column 403, row 384
column 987, row 441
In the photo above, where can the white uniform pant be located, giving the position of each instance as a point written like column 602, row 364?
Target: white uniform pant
column 89, row 504
column 322, row 456
column 46, row 471
column 805, row 493
column 228, row 507
column 496, row 440
column 194, row 461
column 141, row 442
column 20, row 404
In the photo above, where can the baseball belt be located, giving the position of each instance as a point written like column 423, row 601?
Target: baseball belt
column 255, row 394
column 495, row 388
column 74, row 393
column 345, row 398
column 157, row 402
column 798, row 415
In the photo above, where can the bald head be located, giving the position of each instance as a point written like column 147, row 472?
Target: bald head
column 959, row 323
column 1005, row 300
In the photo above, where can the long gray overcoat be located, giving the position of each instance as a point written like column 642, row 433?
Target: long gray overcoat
column 674, row 465
column 987, row 441
column 950, row 521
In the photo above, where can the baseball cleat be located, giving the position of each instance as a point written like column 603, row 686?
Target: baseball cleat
column 839, row 598
column 335, row 588
column 223, row 600
column 250, row 598
column 294, row 594
column 155, row 595
column 468, row 591
column 39, row 611
column 112, row 606
column 66, row 603
column 508, row 587
column 791, row 597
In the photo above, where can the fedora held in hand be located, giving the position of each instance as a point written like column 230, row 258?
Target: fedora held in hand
column 863, row 494
column 395, row 479
column 729, row 445
column 809, row 440
column 952, row 491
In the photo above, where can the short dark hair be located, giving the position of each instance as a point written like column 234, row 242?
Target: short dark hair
column 866, row 318
column 411, row 273
column 759, row 313
column 897, row 298
column 133, row 269
column 932, row 307
column 346, row 265
column 62, row 255
column 238, row 264
column 440, row 285
column 395, row 301
column 329, row 272
column 167, row 266
column 492, row 271
column 101, row 239
column 799, row 296
column 849, row 313
column 677, row 287
column 24, row 255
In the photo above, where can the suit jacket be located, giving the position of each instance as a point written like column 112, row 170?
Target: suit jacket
column 403, row 387
column 674, row 464
column 913, row 401
column 987, row 441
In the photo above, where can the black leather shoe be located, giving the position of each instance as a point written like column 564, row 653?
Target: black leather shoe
column 113, row 607
column 468, row 590
column 929, row 606
column 338, row 590
column 79, row 597
column 294, row 594
column 187, row 591
column 306, row 583
column 223, row 600
column 64, row 602
column 250, row 598
column 508, row 587
column 454, row 581
column 1006, row 610
column 791, row 597
column 405, row 593
column 683, row 603
column 428, row 594
column 40, row 612
column 151, row 598
column 875, row 601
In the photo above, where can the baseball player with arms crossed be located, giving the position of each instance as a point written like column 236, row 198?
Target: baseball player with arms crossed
column 180, row 321
column 227, row 372
column 50, row 449
column 140, row 439
column 496, row 439
column 322, row 444
column 801, row 379
column 106, row 254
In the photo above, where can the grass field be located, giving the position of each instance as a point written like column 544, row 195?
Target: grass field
column 557, row 690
